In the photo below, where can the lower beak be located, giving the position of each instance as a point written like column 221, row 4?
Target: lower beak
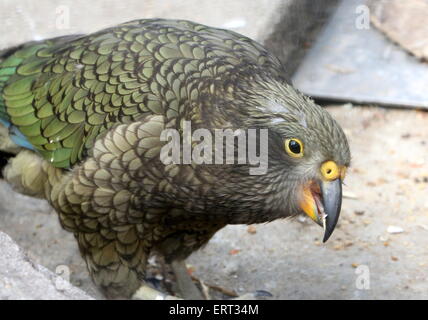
column 323, row 205
column 332, row 202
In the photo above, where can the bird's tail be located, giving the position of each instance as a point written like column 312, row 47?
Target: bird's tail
column 5, row 143
column 10, row 61
column 6, row 71
column 27, row 172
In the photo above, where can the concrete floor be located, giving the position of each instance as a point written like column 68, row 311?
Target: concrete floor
column 389, row 177
column 362, row 260
column 27, row 20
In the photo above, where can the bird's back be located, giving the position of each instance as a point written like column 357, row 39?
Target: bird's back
column 59, row 95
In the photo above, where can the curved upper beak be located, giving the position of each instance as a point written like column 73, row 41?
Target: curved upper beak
column 322, row 203
column 331, row 192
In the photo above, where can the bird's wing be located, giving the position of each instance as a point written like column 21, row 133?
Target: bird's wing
column 59, row 95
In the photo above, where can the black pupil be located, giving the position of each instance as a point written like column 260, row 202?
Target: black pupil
column 294, row 146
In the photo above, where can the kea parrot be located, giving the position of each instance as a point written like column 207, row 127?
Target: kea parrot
column 82, row 118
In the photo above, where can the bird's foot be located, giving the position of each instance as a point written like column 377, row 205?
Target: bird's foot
column 147, row 293
column 189, row 291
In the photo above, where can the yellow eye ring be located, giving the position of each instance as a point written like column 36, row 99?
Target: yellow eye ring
column 294, row 147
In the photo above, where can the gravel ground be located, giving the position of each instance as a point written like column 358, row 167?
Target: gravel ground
column 386, row 192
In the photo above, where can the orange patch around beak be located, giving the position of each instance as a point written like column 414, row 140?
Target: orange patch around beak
column 308, row 203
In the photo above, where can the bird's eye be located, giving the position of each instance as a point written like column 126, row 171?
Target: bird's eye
column 294, row 147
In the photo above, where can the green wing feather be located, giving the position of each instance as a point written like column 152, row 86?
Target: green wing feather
column 63, row 93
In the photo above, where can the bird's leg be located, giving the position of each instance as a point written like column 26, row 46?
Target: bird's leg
column 185, row 284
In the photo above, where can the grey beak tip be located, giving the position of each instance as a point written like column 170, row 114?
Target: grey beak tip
column 326, row 236
column 332, row 197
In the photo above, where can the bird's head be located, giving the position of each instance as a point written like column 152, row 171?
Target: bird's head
column 309, row 150
column 308, row 155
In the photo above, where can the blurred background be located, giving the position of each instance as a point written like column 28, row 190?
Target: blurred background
column 362, row 60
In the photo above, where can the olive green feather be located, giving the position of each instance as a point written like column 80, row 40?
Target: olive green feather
column 99, row 104
column 62, row 93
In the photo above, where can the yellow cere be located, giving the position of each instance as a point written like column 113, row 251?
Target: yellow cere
column 331, row 171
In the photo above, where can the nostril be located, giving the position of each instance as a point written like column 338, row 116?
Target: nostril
column 330, row 170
